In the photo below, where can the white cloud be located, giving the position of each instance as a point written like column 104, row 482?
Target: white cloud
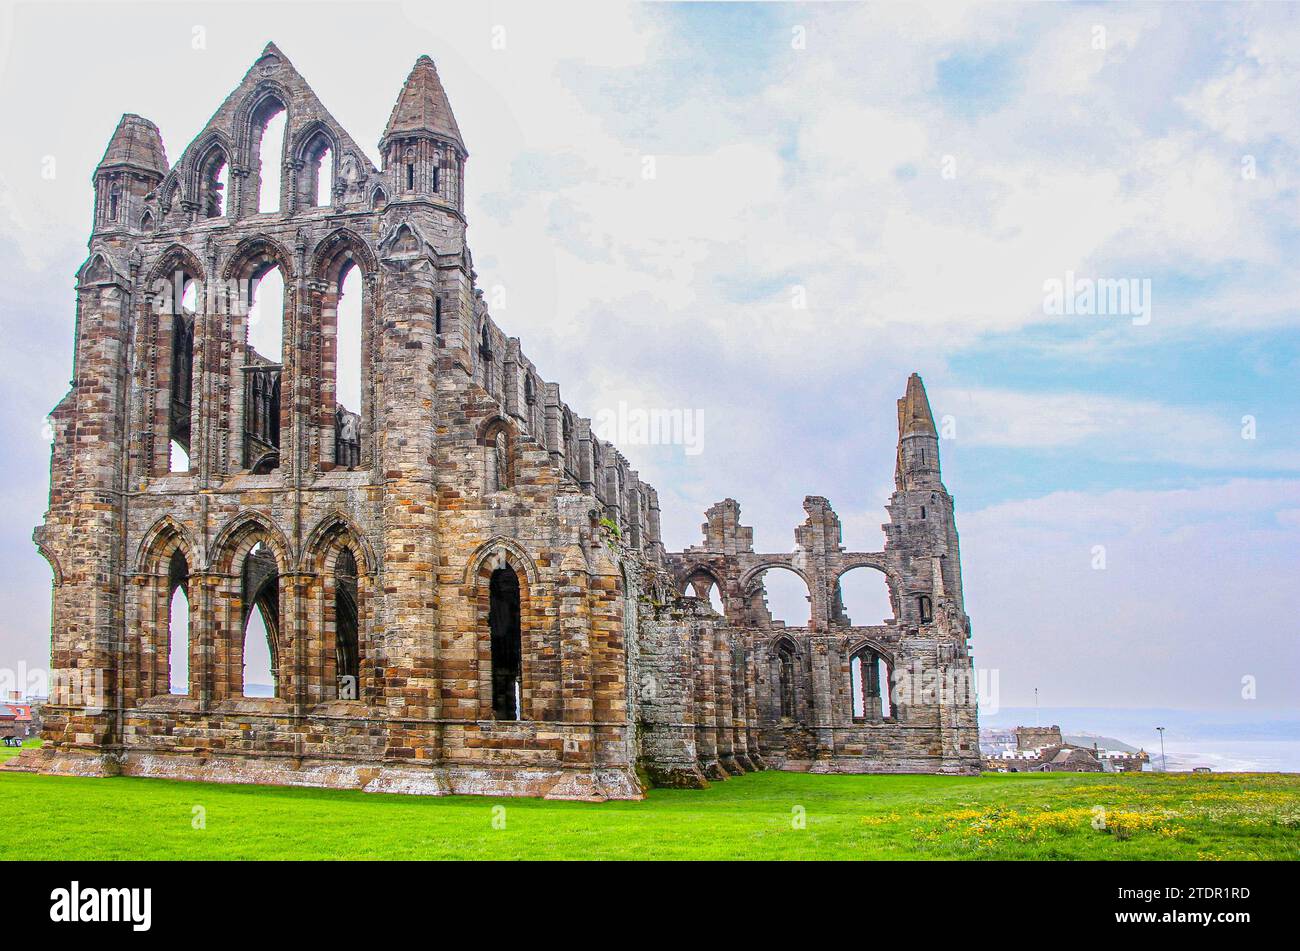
column 1108, row 428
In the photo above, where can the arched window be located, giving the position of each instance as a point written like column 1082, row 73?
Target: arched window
column 924, row 608
column 267, row 143
column 485, row 352
column 862, row 597
column 702, row 584
column 347, row 652
column 146, row 222
column 182, row 376
column 347, row 363
column 504, row 623
column 869, row 685
column 785, row 674
column 779, row 596
column 178, row 626
column 316, row 180
column 261, row 601
column 214, row 176
column 262, row 371
column 498, row 462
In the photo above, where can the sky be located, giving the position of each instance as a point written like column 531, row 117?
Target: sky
column 768, row 216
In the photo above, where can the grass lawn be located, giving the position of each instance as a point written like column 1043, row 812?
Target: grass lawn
column 1020, row 816
column 9, row 752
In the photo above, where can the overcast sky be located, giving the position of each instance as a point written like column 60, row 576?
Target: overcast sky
column 917, row 174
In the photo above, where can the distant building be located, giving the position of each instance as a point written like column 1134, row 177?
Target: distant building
column 1045, row 749
column 1038, row 737
column 16, row 720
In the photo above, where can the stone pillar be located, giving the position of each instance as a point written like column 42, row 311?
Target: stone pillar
column 406, row 665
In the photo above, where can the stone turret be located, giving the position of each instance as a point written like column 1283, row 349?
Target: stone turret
column 424, row 155
column 918, row 441
column 133, row 165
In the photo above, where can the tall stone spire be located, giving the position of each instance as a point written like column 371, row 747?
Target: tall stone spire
column 914, row 415
column 918, row 440
column 422, row 107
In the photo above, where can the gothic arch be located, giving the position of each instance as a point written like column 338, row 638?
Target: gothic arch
column 337, row 251
column 163, row 537
column 302, row 141
column 257, row 255
column 53, row 559
column 688, row 575
column 873, row 645
column 197, row 157
column 238, row 537
column 253, row 103
column 509, row 551
column 322, row 545
column 176, row 257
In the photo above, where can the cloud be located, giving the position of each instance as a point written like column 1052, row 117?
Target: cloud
column 1108, row 428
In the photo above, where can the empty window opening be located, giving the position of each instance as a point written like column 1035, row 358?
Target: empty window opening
column 347, row 654
column 266, row 316
column 779, row 596
column 869, row 685
column 437, row 315
column 922, row 511
column 178, row 625
column 262, row 372
column 702, row 584
column 325, row 178
column 785, row 671
column 505, row 626
column 862, row 598
column 261, row 600
column 347, row 370
column 182, row 379
column 436, row 170
column 114, row 199
column 214, row 177
column 410, row 176
column 497, row 474
column 924, row 608
column 269, row 124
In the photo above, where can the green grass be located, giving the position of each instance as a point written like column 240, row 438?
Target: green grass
column 1024, row 816
column 9, row 752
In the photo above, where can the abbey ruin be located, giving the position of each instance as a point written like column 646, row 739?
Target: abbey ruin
column 462, row 588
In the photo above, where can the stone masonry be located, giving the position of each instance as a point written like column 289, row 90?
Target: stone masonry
column 464, row 589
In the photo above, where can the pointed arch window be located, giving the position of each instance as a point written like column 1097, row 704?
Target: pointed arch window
column 869, row 679
column 347, row 648
column 178, row 624
column 498, row 462
column 214, row 176
column 260, row 589
column 785, row 674
column 505, row 629
column 266, row 142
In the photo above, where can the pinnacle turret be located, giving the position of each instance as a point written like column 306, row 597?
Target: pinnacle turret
column 136, row 145
column 422, row 108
